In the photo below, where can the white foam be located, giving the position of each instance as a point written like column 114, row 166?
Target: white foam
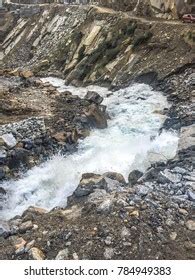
column 125, row 145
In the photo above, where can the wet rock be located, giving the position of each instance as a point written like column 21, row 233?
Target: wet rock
column 18, row 156
column 94, row 97
column 36, row 254
column 180, row 170
column 62, row 255
column 25, row 226
column 2, row 173
column 96, row 117
column 115, row 176
column 112, row 185
column 9, row 140
column 142, row 190
column 88, row 183
column 167, row 177
column 3, row 155
column 190, row 224
column 36, row 210
column 191, row 195
column 98, row 194
column 4, row 229
column 134, row 176
column 2, row 191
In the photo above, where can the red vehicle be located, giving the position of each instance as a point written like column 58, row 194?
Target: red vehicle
column 188, row 18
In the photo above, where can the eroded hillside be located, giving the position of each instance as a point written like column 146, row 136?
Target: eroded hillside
column 92, row 44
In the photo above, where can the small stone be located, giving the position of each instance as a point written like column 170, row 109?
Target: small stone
column 62, row 255
column 190, row 224
column 135, row 213
column 105, row 206
column 29, row 245
column 173, row 236
column 189, row 245
column 108, row 253
column 179, row 170
column 108, row 240
column 35, row 227
column 9, row 140
column 191, row 195
column 19, row 243
column 183, row 211
column 36, row 254
column 93, row 96
column 125, row 232
column 142, row 190
column 75, row 256
column 25, row 226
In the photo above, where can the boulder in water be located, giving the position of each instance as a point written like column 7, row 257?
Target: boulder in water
column 88, row 183
column 96, row 117
column 134, row 176
column 94, row 97
column 115, row 176
column 2, row 174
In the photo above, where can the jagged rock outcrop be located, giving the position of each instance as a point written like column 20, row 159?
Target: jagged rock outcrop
column 87, row 44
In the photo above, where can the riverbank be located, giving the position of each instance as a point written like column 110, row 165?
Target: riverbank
column 150, row 214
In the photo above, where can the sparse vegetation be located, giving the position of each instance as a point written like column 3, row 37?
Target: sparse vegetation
column 141, row 39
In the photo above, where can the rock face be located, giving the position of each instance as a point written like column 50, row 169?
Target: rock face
column 104, row 48
column 175, row 7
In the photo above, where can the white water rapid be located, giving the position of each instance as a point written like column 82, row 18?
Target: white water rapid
column 131, row 141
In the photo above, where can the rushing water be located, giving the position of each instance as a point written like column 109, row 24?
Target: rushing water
column 131, row 141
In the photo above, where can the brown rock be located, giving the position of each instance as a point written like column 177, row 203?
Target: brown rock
column 36, row 254
column 25, row 226
column 96, row 117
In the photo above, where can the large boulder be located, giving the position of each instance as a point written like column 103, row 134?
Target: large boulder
column 115, row 176
column 94, row 97
column 96, row 117
column 88, row 183
column 134, row 176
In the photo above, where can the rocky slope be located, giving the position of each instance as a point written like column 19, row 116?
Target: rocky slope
column 96, row 45
column 152, row 215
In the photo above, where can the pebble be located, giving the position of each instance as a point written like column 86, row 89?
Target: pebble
column 109, row 253
column 36, row 254
column 75, row 256
column 19, row 243
column 191, row 195
column 25, row 226
column 62, row 255
column 190, row 224
column 29, row 245
column 9, row 140
column 173, row 235
column 108, row 240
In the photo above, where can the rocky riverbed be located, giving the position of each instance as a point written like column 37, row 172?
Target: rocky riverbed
column 118, row 208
